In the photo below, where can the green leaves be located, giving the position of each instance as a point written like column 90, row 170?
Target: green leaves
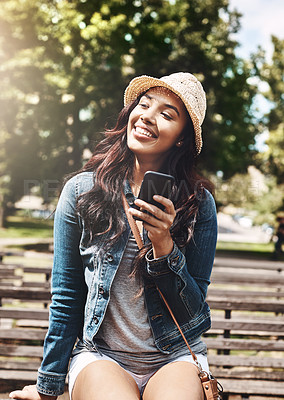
column 65, row 65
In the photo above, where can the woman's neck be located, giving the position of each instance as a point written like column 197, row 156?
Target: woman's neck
column 141, row 167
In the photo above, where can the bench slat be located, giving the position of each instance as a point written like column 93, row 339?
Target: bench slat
column 275, row 306
column 18, row 375
column 41, row 285
column 249, row 264
column 215, row 292
column 19, row 365
column 244, row 386
column 244, row 344
column 242, row 361
column 21, row 351
column 247, row 278
column 259, row 375
column 25, row 294
column 37, row 270
column 24, row 313
column 245, row 324
column 23, row 334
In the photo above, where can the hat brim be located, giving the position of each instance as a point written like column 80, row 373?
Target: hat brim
column 143, row 83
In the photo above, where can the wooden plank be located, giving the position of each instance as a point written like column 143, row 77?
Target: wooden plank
column 244, row 344
column 252, row 397
column 245, row 324
column 215, row 292
column 8, row 267
column 39, row 285
column 275, row 306
column 12, row 253
column 245, row 386
column 20, row 365
column 18, row 375
column 21, row 351
column 6, row 274
column 27, row 323
column 248, row 264
column 9, row 277
column 248, row 278
column 255, row 374
column 246, row 361
column 25, row 293
column 37, row 270
column 4, row 284
column 24, row 313
column 23, row 334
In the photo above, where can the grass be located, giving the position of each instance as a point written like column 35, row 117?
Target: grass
column 26, row 227
column 256, row 247
column 249, row 250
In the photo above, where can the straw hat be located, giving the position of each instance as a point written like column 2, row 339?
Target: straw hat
column 183, row 84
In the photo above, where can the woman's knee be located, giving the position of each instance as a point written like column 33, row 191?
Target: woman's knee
column 177, row 380
column 105, row 380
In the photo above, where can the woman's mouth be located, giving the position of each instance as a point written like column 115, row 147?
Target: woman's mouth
column 145, row 132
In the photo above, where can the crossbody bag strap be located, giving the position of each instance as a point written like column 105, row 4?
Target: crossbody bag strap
column 139, row 242
column 132, row 223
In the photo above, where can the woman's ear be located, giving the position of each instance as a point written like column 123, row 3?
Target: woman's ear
column 179, row 143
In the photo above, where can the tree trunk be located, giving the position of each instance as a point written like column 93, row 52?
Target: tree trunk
column 3, row 212
column 2, row 217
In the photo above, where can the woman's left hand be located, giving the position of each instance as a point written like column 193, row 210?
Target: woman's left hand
column 158, row 224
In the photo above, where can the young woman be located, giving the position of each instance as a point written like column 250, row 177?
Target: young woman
column 104, row 291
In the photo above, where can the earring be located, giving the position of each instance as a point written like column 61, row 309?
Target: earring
column 179, row 143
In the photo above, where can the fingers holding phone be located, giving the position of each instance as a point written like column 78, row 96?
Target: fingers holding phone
column 157, row 223
column 151, row 214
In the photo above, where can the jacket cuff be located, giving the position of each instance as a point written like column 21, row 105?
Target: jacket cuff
column 50, row 384
column 164, row 265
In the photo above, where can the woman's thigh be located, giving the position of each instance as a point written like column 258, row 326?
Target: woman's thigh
column 177, row 380
column 105, row 380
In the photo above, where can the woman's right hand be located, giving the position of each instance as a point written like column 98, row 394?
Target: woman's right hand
column 30, row 393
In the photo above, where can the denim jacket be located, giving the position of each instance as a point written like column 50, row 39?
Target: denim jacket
column 83, row 274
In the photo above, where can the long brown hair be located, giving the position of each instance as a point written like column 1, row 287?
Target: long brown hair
column 112, row 162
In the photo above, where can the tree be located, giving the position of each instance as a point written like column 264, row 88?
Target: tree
column 64, row 66
column 272, row 160
column 203, row 44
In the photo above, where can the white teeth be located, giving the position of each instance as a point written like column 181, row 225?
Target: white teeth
column 143, row 131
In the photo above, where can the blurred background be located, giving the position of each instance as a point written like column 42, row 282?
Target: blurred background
column 65, row 64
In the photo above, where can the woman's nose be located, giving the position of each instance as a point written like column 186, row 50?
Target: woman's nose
column 148, row 116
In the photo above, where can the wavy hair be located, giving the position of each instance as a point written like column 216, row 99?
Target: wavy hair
column 112, row 162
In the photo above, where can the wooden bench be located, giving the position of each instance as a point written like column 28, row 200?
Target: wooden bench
column 245, row 343
column 23, row 327
column 20, row 275
column 24, row 299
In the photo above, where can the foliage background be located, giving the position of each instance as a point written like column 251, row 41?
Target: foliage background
column 64, row 66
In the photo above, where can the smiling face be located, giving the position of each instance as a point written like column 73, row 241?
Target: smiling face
column 155, row 125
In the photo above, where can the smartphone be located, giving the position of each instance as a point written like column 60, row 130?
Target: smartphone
column 155, row 183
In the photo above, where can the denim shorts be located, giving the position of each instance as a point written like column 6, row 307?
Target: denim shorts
column 82, row 359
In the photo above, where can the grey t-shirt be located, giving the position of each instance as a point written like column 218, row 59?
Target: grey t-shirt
column 125, row 334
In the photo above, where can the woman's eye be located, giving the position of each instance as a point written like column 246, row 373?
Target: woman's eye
column 143, row 105
column 167, row 116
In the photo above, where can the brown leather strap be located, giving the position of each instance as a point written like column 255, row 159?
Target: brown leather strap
column 139, row 242
column 132, row 223
column 177, row 324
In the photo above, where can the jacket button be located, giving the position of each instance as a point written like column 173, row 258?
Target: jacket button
column 110, row 257
column 101, row 290
column 96, row 320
